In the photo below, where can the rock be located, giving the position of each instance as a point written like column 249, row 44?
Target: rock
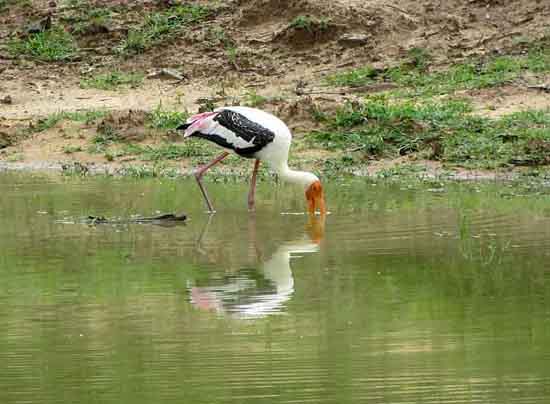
column 5, row 140
column 7, row 136
column 6, row 100
column 167, row 73
column 353, row 40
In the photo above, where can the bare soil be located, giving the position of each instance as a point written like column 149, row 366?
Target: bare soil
column 273, row 58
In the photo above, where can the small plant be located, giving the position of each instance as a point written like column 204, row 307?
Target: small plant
column 420, row 58
column 353, row 78
column 218, row 35
column 106, row 134
column 167, row 120
column 71, row 149
column 232, row 54
column 112, row 80
column 15, row 157
column 158, row 170
column 75, row 169
column 253, row 99
column 309, row 24
column 51, row 45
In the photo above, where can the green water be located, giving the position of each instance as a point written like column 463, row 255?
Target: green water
column 421, row 294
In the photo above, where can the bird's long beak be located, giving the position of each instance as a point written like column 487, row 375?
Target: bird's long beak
column 183, row 126
column 193, row 123
column 315, row 199
column 186, row 128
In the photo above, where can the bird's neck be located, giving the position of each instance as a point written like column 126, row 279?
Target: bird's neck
column 296, row 177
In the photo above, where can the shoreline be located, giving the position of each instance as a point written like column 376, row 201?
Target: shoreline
column 76, row 168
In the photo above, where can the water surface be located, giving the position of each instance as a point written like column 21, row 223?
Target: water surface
column 422, row 294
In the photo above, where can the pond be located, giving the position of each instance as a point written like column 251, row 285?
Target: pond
column 420, row 293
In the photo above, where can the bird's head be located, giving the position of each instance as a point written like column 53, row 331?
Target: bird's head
column 196, row 123
column 315, row 198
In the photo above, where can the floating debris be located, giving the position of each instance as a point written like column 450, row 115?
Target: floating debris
column 162, row 219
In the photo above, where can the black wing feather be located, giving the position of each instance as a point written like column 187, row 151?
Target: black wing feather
column 246, row 129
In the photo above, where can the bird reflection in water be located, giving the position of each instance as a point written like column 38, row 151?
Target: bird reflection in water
column 255, row 293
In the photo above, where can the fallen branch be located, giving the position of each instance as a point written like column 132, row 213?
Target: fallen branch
column 167, row 73
column 348, row 90
column 356, row 149
column 540, row 87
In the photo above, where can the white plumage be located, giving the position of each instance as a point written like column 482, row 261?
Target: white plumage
column 252, row 133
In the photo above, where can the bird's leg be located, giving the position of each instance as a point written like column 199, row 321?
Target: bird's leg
column 204, row 232
column 199, row 173
column 252, row 190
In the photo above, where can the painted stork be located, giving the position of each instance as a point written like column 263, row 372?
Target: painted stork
column 254, row 134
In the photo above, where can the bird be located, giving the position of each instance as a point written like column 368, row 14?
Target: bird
column 253, row 134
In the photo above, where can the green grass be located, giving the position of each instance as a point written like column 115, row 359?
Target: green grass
column 106, row 135
column 113, row 80
column 52, row 45
column 472, row 74
column 163, row 119
column 143, row 171
column 307, row 23
column 71, row 149
column 50, row 121
column 353, row 78
column 444, row 130
column 415, row 118
column 169, row 151
column 253, row 99
column 159, row 26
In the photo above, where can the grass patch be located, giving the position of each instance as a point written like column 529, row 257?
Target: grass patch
column 163, row 119
column 106, row 134
column 71, row 149
column 255, row 100
column 309, row 24
column 77, row 116
column 473, row 74
column 469, row 75
column 141, row 171
column 161, row 25
column 169, row 151
column 52, row 45
column 113, row 80
column 443, row 130
column 353, row 78
column 382, row 126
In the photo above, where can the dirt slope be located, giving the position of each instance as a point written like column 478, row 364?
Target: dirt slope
column 246, row 47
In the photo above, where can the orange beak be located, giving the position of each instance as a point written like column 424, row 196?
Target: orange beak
column 315, row 198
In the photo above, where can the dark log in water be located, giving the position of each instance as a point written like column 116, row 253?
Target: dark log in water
column 163, row 219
